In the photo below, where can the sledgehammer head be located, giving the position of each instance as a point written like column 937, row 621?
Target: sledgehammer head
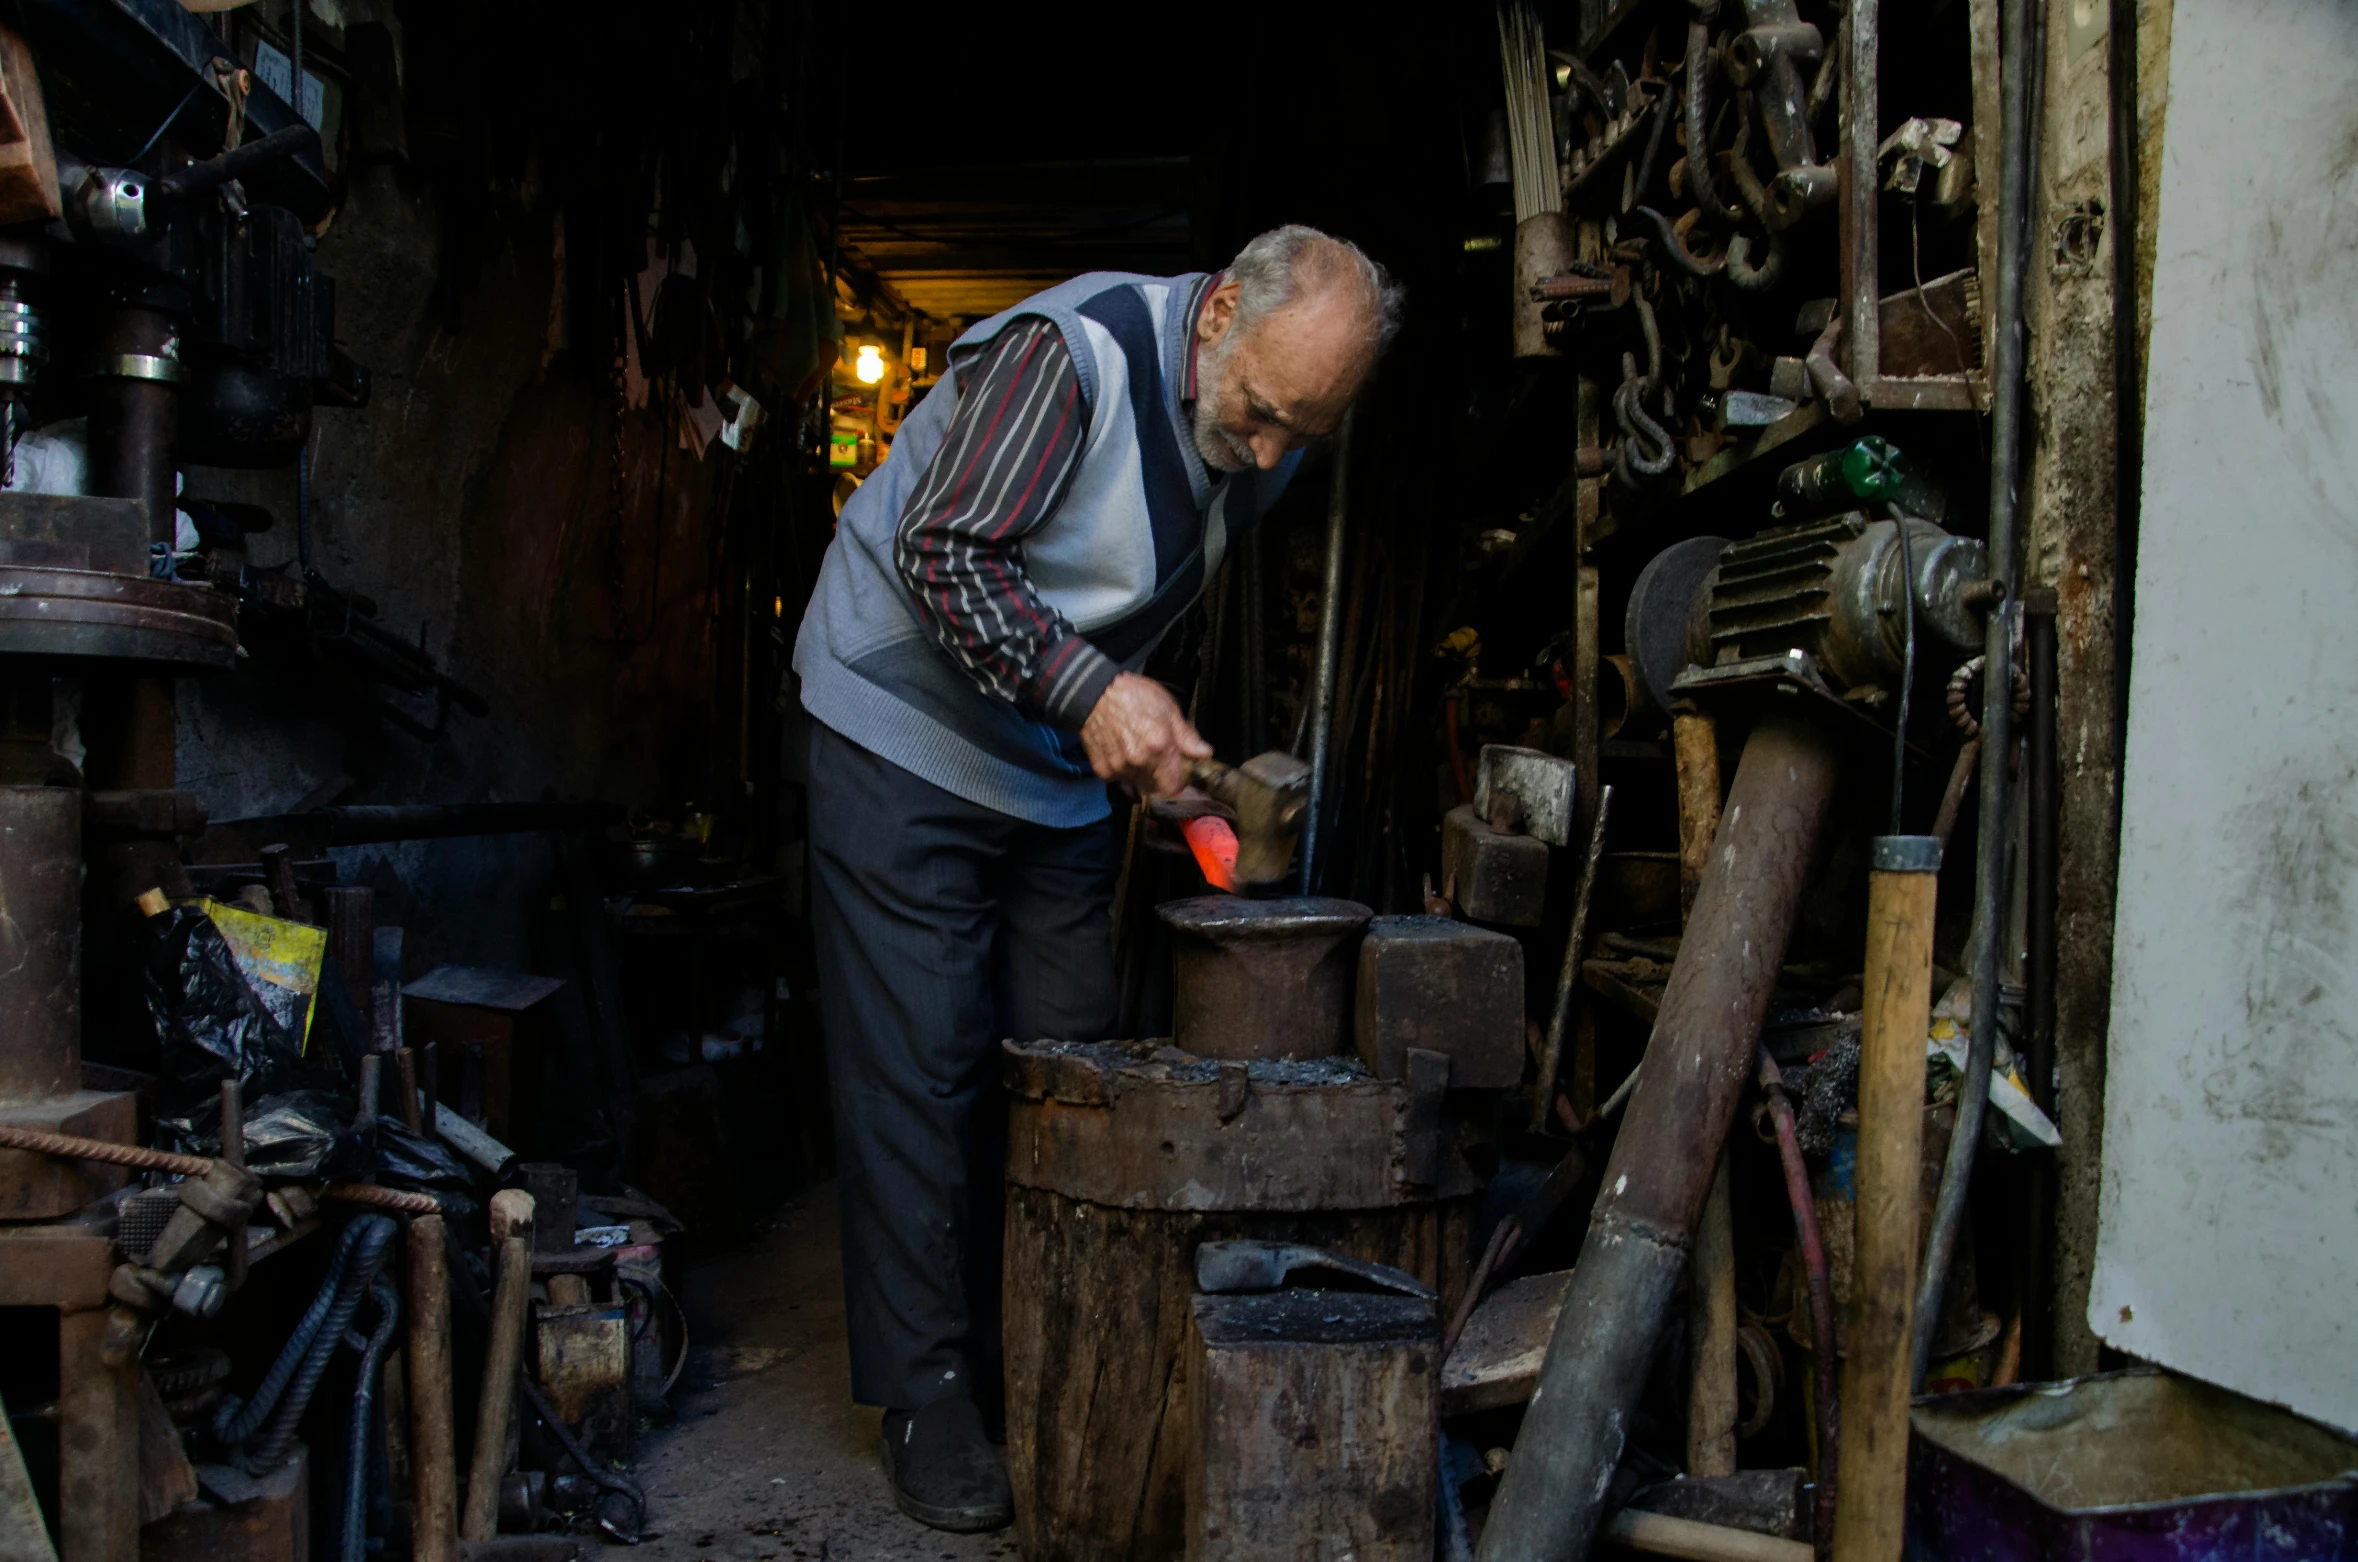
column 1270, row 794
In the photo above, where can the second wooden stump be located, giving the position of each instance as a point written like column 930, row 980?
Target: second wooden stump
column 1122, row 1160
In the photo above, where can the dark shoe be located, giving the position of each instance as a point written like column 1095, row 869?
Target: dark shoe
column 944, row 1471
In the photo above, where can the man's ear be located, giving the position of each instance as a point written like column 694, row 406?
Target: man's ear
column 1218, row 313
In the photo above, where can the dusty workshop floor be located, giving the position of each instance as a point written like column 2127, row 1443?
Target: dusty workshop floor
column 768, row 1459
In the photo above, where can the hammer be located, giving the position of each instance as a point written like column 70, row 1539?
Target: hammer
column 1269, row 794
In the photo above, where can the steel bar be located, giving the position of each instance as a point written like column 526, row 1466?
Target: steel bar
column 1322, row 675
column 1551, row 1051
column 1551, row 1502
column 1997, row 674
column 1820, row 1277
column 366, row 824
column 140, row 1158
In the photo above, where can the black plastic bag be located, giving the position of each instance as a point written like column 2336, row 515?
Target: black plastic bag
column 208, row 1022
column 307, row 1134
column 211, row 1026
column 407, row 1160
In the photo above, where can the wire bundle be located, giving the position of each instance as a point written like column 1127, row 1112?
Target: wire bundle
column 1531, row 141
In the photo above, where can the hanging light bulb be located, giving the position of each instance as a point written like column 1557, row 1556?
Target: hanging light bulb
column 869, row 368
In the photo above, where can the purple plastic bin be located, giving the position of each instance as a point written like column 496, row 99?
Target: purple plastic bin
column 2137, row 1466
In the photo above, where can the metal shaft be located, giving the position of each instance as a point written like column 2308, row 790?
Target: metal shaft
column 1997, row 674
column 40, row 942
column 1668, row 1151
column 1322, row 676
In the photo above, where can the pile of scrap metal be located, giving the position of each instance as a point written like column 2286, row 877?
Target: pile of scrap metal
column 294, row 1141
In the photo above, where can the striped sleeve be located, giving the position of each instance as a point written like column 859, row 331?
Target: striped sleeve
column 997, row 477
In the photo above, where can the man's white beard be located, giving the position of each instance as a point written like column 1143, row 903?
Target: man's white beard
column 1221, row 450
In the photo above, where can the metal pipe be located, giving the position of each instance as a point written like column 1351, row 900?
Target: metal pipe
column 1549, row 1506
column 41, row 979
column 1820, row 1275
column 1249, row 639
column 367, row 1254
column 1997, row 674
column 356, row 1461
column 1322, row 675
column 2128, row 370
column 1871, row 1510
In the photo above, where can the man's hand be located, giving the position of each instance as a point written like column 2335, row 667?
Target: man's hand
column 1137, row 736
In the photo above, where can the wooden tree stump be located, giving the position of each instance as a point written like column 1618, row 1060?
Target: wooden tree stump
column 1121, row 1161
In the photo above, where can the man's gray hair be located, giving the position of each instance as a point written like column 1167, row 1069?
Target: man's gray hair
column 1278, row 266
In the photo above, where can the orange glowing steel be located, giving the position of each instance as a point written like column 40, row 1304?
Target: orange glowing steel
column 1214, row 845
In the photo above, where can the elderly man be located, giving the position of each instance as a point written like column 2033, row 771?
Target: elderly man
column 970, row 661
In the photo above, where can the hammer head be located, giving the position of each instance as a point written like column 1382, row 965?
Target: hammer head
column 1270, row 794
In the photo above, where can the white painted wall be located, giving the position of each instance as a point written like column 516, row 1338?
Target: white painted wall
column 2229, row 1240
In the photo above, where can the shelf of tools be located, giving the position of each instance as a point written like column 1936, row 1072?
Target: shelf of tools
column 1756, row 262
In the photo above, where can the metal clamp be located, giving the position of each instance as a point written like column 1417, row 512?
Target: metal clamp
column 112, row 205
column 161, row 368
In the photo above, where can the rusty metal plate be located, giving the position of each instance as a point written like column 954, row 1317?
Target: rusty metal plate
column 129, row 618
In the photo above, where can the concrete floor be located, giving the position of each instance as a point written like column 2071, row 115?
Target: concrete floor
column 769, row 1460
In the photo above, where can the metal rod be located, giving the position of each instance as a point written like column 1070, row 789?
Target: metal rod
column 1820, row 1276
column 430, row 1089
column 2128, row 370
column 1322, row 676
column 69, row 1147
column 233, row 1152
column 1997, row 673
column 1598, row 1360
column 1551, row 1051
column 1256, row 712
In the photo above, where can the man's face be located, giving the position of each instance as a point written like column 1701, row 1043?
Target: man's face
column 1279, row 385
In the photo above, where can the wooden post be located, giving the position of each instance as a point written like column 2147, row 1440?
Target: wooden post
column 433, row 1450
column 1870, row 1505
column 405, row 1063
column 511, row 1227
column 351, row 914
column 1314, row 1427
column 1695, row 746
column 98, row 1444
column 1711, row 1309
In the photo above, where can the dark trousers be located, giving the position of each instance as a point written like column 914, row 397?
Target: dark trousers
column 942, row 928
